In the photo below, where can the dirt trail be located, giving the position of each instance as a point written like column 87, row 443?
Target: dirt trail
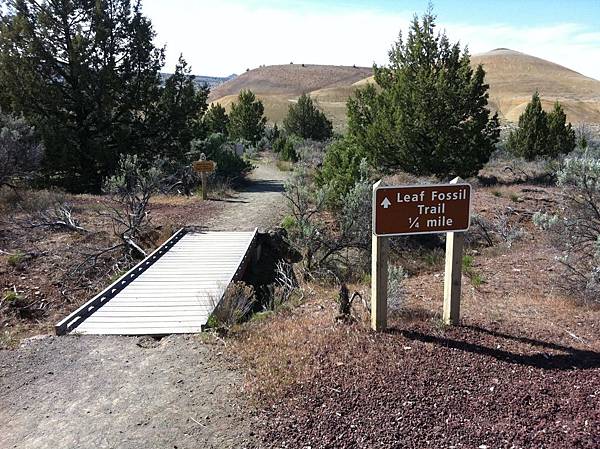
column 259, row 205
column 129, row 392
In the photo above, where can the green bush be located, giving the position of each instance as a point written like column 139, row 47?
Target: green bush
column 15, row 259
column 229, row 164
column 341, row 168
column 542, row 134
column 306, row 121
column 285, row 148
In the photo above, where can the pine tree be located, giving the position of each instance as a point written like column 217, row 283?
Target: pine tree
column 246, row 119
column 530, row 139
column 306, row 121
column 540, row 134
column 86, row 75
column 216, row 119
column 177, row 117
column 561, row 135
column 430, row 114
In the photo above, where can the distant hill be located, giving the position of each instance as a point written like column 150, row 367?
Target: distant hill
column 279, row 85
column 211, row 81
column 512, row 76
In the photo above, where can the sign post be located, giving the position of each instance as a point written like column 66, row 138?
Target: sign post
column 453, row 273
column 424, row 209
column 204, row 167
column 379, row 278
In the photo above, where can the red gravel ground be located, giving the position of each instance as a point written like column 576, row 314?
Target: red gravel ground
column 421, row 386
column 522, row 370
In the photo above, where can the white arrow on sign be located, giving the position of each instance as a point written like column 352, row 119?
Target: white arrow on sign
column 386, row 203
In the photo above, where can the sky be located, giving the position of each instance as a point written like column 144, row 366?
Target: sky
column 221, row 37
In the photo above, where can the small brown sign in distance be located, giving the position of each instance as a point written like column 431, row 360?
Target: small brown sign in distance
column 426, row 209
column 204, row 166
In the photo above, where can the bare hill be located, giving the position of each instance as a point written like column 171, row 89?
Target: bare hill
column 512, row 76
column 292, row 79
column 279, row 85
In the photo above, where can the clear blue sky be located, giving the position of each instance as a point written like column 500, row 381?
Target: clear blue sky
column 219, row 37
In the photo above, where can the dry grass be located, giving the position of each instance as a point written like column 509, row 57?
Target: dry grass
column 299, row 339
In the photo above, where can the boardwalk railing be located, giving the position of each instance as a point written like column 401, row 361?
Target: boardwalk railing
column 74, row 319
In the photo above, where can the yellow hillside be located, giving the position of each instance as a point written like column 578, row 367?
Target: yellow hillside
column 512, row 76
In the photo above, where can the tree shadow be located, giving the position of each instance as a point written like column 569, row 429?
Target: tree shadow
column 570, row 358
column 227, row 200
column 264, row 185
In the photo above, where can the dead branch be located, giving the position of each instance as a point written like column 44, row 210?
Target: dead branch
column 59, row 216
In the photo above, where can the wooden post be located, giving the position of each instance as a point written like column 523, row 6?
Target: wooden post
column 204, row 178
column 453, row 273
column 379, row 282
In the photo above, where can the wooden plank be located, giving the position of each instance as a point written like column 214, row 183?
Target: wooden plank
column 182, row 287
column 119, row 320
column 141, row 331
column 89, row 307
column 379, row 282
column 146, row 313
column 148, row 324
column 453, row 273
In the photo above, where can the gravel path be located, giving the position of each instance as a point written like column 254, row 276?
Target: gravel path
column 260, row 204
column 129, row 392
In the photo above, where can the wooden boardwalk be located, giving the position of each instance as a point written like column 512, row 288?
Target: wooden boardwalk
column 174, row 290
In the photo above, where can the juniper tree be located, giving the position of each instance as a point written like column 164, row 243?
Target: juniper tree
column 306, row 121
column 246, row 119
column 216, row 119
column 429, row 115
column 85, row 74
column 177, row 116
column 540, row 134
column 561, row 135
column 530, row 139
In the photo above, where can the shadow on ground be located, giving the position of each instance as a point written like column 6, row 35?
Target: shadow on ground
column 569, row 358
column 265, row 185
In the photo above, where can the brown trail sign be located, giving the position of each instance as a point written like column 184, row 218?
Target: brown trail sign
column 204, row 167
column 425, row 209
column 401, row 210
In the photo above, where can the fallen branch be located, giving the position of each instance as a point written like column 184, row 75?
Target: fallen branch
column 60, row 216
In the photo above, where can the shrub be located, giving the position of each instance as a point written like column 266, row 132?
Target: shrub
column 235, row 306
column 540, row 134
column 131, row 188
column 576, row 231
column 396, row 276
column 20, row 150
column 311, row 152
column 341, row 168
column 305, row 120
column 16, row 259
column 216, row 148
column 326, row 241
column 284, row 147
